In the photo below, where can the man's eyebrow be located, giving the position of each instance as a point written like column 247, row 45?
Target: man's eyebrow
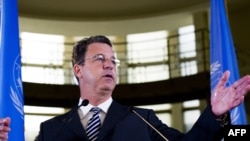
column 98, row 54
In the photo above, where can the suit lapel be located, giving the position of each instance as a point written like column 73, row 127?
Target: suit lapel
column 114, row 115
column 75, row 125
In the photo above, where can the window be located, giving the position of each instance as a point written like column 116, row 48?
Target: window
column 163, row 112
column 187, row 42
column 187, row 49
column 191, row 113
column 42, row 58
column 147, row 56
column 147, row 73
column 188, row 68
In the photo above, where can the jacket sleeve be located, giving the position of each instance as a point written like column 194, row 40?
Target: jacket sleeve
column 206, row 128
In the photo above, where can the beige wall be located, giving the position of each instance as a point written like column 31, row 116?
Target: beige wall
column 85, row 28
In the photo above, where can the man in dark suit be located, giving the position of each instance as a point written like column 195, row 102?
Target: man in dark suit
column 95, row 67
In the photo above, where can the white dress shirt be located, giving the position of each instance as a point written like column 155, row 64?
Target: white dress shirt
column 85, row 115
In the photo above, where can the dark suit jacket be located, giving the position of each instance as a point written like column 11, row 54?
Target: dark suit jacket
column 121, row 124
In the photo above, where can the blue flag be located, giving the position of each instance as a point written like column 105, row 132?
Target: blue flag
column 222, row 54
column 11, row 91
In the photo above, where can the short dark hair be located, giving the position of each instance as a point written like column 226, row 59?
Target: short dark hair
column 80, row 48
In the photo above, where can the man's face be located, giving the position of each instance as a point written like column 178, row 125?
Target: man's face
column 99, row 69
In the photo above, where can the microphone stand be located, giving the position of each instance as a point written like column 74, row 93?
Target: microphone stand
column 132, row 109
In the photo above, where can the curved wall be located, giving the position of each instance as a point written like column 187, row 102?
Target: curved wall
column 119, row 27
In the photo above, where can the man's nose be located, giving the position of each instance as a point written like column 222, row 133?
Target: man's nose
column 108, row 63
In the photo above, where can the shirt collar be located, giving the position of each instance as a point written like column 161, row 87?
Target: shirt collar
column 103, row 106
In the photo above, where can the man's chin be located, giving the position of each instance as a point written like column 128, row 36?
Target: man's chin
column 108, row 87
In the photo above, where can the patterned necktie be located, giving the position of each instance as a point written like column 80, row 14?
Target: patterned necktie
column 94, row 124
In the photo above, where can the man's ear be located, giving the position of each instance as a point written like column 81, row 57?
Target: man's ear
column 77, row 70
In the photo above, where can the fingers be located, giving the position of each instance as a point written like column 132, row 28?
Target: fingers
column 4, row 128
column 3, row 136
column 223, row 80
column 242, row 86
column 239, row 89
column 5, row 121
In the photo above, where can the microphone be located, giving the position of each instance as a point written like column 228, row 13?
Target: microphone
column 85, row 102
column 132, row 109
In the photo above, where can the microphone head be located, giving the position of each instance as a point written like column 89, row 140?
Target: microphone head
column 85, row 102
column 131, row 109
